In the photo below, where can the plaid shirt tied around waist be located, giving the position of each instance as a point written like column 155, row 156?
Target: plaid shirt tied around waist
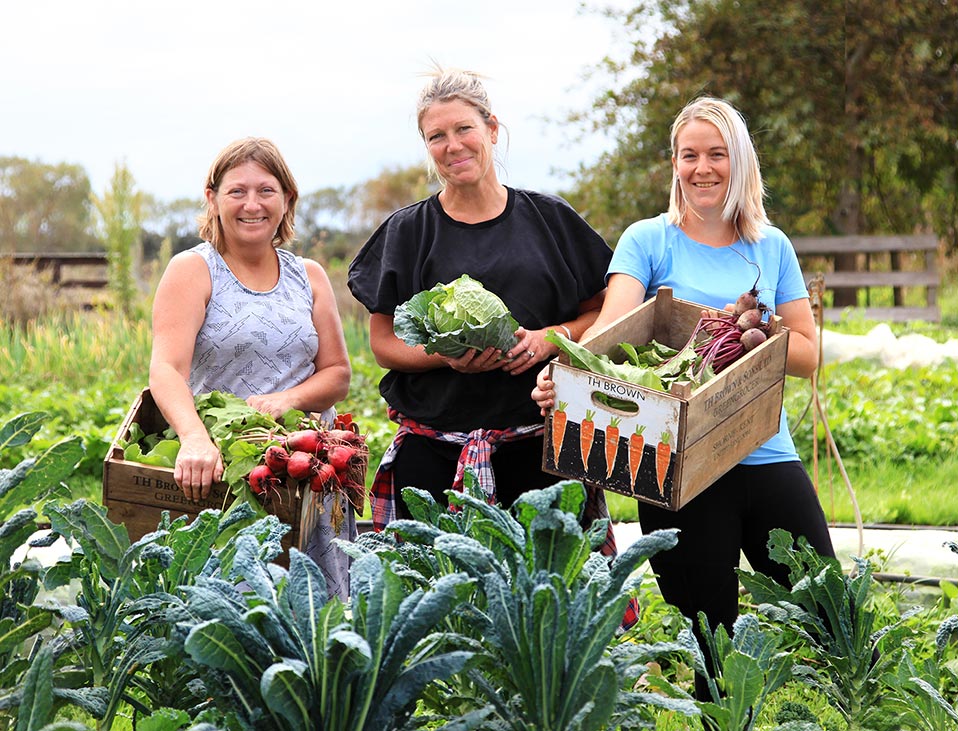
column 478, row 447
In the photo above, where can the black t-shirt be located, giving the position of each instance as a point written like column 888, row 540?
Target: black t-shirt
column 539, row 256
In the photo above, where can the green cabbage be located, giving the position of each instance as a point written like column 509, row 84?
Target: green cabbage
column 450, row 318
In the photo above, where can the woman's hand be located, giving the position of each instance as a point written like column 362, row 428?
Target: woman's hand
column 274, row 404
column 198, row 465
column 544, row 394
column 475, row 361
column 531, row 349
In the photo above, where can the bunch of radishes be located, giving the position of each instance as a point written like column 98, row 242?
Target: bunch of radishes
column 729, row 335
column 325, row 460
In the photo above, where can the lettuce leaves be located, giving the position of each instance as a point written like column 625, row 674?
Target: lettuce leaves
column 450, row 318
column 653, row 365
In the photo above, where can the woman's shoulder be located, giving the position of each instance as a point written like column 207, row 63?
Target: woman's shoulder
column 774, row 235
column 410, row 212
column 195, row 258
column 657, row 227
column 543, row 201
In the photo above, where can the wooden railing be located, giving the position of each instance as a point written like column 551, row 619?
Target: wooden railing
column 63, row 265
column 878, row 266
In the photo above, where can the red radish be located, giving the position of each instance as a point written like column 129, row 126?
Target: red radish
column 752, row 338
column 325, row 473
column 302, row 465
column 306, row 440
column 344, row 435
column 339, row 456
column 262, row 480
column 276, row 458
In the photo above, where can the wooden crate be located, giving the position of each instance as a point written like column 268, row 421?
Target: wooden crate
column 136, row 494
column 711, row 428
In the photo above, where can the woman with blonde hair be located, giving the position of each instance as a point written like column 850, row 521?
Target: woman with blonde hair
column 715, row 243
column 532, row 250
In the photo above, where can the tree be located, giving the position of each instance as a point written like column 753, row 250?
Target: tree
column 335, row 222
column 121, row 215
column 853, row 107
column 44, row 208
column 392, row 189
column 174, row 220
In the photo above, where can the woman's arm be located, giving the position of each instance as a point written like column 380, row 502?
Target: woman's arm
column 179, row 308
column 623, row 294
column 330, row 383
column 802, row 358
column 533, row 341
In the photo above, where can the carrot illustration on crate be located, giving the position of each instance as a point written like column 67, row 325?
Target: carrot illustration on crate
column 586, row 437
column 636, row 445
column 663, row 455
column 559, row 419
column 611, row 444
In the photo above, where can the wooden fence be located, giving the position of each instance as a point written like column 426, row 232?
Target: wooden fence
column 879, row 262
column 66, row 269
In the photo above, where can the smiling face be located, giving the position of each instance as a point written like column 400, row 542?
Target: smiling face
column 702, row 167
column 460, row 142
column 250, row 204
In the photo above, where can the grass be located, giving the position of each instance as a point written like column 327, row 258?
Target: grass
column 904, row 492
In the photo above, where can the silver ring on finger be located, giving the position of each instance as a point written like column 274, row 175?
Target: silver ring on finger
column 531, row 353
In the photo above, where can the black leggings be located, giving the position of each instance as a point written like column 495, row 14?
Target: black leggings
column 431, row 465
column 732, row 517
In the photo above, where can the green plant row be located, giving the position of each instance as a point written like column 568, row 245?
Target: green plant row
column 477, row 618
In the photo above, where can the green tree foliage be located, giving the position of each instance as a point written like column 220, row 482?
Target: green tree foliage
column 332, row 223
column 44, row 207
column 175, row 220
column 853, row 107
column 393, row 188
column 121, row 213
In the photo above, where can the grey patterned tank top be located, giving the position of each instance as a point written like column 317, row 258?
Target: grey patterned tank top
column 254, row 342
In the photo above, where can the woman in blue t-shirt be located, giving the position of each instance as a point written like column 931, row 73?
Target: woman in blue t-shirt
column 715, row 243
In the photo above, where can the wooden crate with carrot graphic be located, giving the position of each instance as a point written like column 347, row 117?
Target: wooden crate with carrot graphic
column 662, row 448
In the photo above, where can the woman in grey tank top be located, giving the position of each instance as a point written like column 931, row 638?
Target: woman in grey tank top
column 241, row 315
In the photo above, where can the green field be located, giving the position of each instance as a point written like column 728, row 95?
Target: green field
column 896, row 430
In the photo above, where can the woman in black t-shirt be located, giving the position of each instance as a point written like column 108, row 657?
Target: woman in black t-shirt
column 532, row 250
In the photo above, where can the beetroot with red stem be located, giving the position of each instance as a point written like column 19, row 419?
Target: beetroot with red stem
column 751, row 339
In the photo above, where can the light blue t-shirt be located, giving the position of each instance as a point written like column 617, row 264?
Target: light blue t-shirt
column 659, row 254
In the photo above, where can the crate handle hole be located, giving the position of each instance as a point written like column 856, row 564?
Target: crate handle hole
column 626, row 407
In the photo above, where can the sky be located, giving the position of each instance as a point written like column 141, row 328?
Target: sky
column 162, row 86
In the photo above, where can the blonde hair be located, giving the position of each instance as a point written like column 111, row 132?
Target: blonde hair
column 446, row 85
column 265, row 154
column 744, row 202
